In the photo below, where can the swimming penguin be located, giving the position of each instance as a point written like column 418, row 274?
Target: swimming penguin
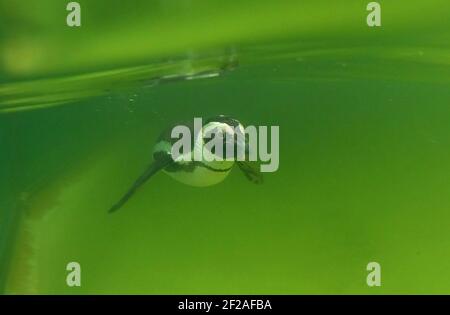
column 200, row 173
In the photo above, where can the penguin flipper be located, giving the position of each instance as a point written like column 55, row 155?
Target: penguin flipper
column 149, row 172
column 251, row 171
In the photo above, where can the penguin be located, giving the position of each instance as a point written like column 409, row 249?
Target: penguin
column 199, row 173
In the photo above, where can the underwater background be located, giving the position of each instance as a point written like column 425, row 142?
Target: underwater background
column 364, row 116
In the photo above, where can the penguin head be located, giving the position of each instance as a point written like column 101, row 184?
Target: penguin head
column 229, row 132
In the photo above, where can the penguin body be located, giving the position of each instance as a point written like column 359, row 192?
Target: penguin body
column 186, row 169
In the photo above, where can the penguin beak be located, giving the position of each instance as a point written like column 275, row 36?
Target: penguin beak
column 234, row 145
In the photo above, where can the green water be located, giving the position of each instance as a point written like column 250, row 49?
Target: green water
column 364, row 120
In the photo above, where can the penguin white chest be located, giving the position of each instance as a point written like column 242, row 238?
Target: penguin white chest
column 200, row 176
